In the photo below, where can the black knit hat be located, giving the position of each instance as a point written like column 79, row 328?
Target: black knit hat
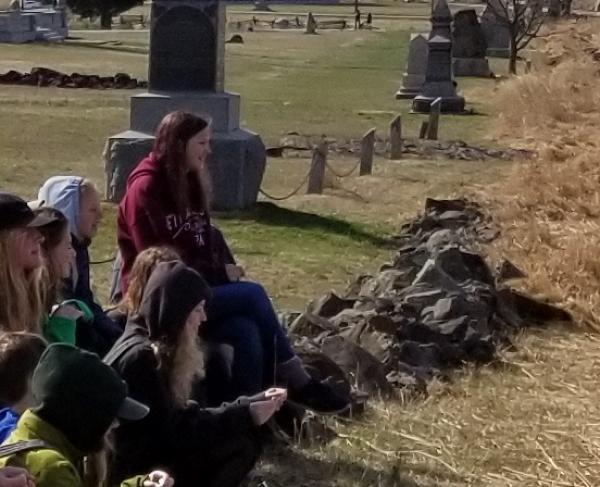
column 172, row 292
column 15, row 213
column 81, row 396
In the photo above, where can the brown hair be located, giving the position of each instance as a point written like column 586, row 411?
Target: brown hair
column 189, row 189
column 21, row 303
column 53, row 234
column 141, row 270
column 19, row 354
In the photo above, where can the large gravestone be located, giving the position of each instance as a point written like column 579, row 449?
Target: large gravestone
column 186, row 72
column 416, row 66
column 439, row 79
column 497, row 36
column 469, row 46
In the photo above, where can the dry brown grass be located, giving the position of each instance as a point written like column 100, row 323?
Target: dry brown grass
column 533, row 418
column 550, row 207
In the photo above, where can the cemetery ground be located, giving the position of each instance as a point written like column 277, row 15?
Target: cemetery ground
column 531, row 418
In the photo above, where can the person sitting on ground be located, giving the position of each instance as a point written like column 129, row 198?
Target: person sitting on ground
column 15, row 477
column 20, row 353
column 167, row 203
column 22, row 284
column 159, row 357
column 79, row 200
column 142, row 268
column 80, row 401
column 218, row 384
column 20, row 265
column 59, row 257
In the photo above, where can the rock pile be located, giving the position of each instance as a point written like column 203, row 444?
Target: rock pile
column 436, row 306
column 48, row 77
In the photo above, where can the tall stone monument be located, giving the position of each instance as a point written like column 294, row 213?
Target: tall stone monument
column 186, row 72
column 439, row 79
column 469, row 46
column 496, row 33
column 416, row 66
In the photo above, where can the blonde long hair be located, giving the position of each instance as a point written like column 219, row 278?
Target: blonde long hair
column 21, row 304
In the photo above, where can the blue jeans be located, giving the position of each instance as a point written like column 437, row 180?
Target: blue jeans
column 241, row 315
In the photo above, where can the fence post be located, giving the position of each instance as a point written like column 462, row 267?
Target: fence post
column 423, row 130
column 434, row 119
column 396, row 138
column 317, row 169
column 367, row 147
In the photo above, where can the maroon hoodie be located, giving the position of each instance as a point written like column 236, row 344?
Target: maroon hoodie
column 148, row 216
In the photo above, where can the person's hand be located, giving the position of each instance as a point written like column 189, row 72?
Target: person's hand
column 262, row 411
column 159, row 478
column 15, row 477
column 234, row 272
column 277, row 393
column 68, row 311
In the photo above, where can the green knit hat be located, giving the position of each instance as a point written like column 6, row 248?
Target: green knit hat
column 81, row 396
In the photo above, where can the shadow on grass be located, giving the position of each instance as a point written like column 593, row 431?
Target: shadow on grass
column 285, row 467
column 273, row 215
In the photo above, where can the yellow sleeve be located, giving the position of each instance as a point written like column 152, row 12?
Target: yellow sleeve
column 134, row 481
column 57, row 472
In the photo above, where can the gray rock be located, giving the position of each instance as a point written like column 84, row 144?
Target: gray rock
column 330, row 305
column 366, row 371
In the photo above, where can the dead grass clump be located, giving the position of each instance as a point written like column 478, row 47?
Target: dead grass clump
column 563, row 94
column 550, row 207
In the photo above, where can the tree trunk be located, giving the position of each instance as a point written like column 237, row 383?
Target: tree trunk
column 512, row 62
column 566, row 7
column 106, row 19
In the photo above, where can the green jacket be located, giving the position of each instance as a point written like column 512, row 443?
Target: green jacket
column 58, row 329
column 61, row 466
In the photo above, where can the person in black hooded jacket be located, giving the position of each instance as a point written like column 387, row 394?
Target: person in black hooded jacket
column 160, row 359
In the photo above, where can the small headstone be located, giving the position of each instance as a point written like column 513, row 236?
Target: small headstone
column 281, row 23
column 396, row 138
column 236, row 39
column 416, row 66
column 262, row 6
column 554, row 8
column 311, row 24
column 367, row 146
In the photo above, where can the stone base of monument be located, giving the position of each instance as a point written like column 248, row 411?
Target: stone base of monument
column 238, row 158
column 471, row 67
column 498, row 52
column 450, row 104
column 148, row 109
column 411, row 86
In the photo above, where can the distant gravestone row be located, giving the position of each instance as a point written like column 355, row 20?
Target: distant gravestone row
column 454, row 47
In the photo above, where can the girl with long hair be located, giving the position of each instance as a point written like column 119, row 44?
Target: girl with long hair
column 167, row 203
column 62, row 317
column 159, row 357
column 21, row 266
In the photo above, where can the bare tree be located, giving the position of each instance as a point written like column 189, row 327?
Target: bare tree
column 523, row 19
